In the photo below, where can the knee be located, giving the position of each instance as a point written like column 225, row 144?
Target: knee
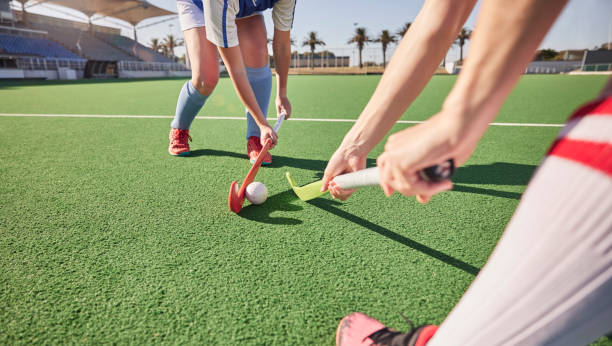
column 261, row 54
column 255, row 54
column 205, row 83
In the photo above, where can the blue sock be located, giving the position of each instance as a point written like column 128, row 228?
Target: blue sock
column 189, row 103
column 261, row 83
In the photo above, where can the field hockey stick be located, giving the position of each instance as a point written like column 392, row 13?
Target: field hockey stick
column 237, row 193
column 367, row 177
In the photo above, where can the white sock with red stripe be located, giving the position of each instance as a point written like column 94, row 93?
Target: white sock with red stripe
column 549, row 280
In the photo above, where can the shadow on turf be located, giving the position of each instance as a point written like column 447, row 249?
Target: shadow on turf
column 278, row 202
column 278, row 161
column 330, row 206
column 490, row 192
column 498, row 173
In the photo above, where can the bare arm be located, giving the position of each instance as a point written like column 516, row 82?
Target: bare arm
column 281, row 46
column 505, row 38
column 232, row 57
column 412, row 65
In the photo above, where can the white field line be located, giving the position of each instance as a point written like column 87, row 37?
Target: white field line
column 322, row 120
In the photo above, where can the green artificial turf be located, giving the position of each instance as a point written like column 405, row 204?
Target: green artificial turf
column 537, row 98
column 105, row 238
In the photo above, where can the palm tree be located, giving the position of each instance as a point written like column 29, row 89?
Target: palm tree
column 360, row 38
column 154, row 44
column 464, row 35
column 385, row 38
column 402, row 31
column 163, row 49
column 170, row 43
column 313, row 41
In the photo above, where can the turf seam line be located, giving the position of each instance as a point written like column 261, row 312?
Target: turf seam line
column 121, row 116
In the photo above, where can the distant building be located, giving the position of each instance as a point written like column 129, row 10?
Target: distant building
column 553, row 55
column 571, row 55
column 549, row 61
column 325, row 59
column 319, row 60
column 606, row 46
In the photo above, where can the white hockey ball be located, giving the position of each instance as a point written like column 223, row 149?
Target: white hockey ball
column 256, row 192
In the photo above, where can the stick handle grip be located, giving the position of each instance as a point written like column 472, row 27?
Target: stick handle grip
column 253, row 171
column 370, row 176
column 266, row 147
column 365, row 177
column 279, row 121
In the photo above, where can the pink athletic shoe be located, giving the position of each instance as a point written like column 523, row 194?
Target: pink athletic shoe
column 361, row 329
column 179, row 142
column 253, row 149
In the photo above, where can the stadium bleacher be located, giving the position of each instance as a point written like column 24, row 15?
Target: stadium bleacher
column 132, row 47
column 19, row 45
column 597, row 61
column 44, row 47
column 85, row 44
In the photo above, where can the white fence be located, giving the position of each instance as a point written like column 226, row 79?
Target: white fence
column 150, row 66
column 340, row 57
column 35, row 63
column 552, row 67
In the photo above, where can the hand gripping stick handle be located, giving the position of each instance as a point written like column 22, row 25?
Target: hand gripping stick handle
column 370, row 176
column 279, row 121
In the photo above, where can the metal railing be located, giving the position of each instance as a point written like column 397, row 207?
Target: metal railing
column 36, row 63
column 22, row 32
column 151, row 66
column 552, row 67
column 597, row 67
column 39, row 63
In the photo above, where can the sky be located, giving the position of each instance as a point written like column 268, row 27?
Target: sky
column 583, row 23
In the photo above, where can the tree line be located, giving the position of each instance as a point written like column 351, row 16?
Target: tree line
column 549, row 54
column 166, row 46
column 360, row 38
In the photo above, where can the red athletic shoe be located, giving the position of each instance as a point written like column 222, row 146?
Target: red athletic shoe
column 253, row 149
column 179, row 142
column 361, row 329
